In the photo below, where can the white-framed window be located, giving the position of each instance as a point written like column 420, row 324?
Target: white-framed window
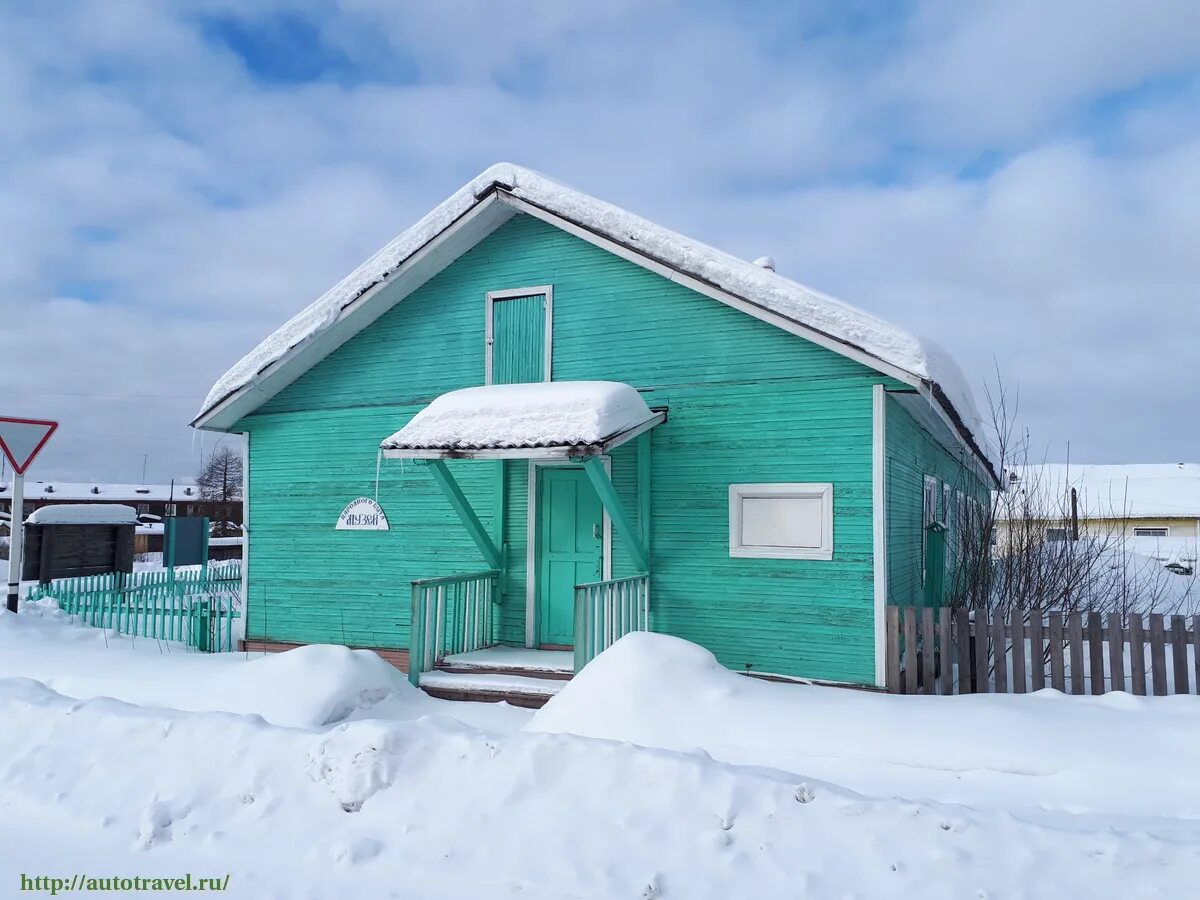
column 191, row 509
column 929, row 506
column 143, row 508
column 929, row 515
column 1057, row 534
column 962, row 526
column 1152, row 531
column 170, row 509
column 785, row 520
column 946, row 518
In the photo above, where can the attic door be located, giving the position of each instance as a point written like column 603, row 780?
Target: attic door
column 518, row 336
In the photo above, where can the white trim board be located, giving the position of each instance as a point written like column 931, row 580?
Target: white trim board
column 531, row 622
column 879, row 528
column 240, row 627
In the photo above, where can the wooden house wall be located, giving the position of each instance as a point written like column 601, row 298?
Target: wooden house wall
column 911, row 454
column 747, row 402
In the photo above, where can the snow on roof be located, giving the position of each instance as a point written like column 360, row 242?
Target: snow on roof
column 1139, row 491
column 103, row 492
column 548, row 414
column 84, row 514
column 753, row 283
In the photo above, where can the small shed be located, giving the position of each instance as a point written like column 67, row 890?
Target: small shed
column 78, row 539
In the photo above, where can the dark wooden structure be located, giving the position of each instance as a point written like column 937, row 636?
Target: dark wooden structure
column 65, row 551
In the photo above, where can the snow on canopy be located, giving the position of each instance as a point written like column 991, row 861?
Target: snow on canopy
column 1139, row 491
column 753, row 283
column 84, row 514
column 547, row 414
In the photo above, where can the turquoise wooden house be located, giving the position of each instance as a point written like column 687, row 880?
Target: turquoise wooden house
column 535, row 422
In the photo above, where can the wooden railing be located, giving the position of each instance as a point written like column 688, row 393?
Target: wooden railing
column 959, row 651
column 454, row 614
column 195, row 607
column 606, row 611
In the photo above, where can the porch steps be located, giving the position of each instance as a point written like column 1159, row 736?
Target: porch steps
column 511, row 674
column 490, row 687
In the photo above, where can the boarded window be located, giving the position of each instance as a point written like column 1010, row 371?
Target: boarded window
column 518, row 351
column 790, row 520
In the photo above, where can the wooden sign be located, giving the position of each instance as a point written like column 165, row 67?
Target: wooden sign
column 362, row 514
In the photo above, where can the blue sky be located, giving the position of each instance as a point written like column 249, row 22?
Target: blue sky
column 1014, row 179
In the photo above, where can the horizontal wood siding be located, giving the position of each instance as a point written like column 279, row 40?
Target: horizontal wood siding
column 309, row 583
column 746, row 402
column 911, row 454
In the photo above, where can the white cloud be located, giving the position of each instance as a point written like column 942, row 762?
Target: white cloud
column 193, row 208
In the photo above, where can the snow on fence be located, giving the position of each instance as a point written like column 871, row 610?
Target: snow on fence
column 194, row 606
column 959, row 651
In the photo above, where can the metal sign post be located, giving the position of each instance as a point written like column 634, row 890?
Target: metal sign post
column 20, row 441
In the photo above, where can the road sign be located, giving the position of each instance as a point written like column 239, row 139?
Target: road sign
column 22, row 439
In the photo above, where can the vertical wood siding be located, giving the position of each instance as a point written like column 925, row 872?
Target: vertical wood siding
column 519, row 340
column 912, row 453
column 747, row 402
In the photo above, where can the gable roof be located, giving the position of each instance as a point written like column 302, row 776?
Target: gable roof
column 503, row 190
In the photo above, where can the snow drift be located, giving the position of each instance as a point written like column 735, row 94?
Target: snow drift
column 432, row 808
column 659, row 691
column 305, row 687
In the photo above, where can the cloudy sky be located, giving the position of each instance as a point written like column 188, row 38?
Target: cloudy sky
column 1017, row 179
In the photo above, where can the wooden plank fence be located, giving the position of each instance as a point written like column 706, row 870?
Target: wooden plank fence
column 195, row 607
column 959, row 651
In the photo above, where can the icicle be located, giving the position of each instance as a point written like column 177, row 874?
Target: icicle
column 378, row 463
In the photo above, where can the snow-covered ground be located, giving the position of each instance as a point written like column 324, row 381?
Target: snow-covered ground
column 322, row 773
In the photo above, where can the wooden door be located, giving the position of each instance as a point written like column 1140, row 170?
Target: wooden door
column 570, row 548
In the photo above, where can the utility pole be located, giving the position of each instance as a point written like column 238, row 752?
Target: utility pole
column 16, row 541
column 145, row 458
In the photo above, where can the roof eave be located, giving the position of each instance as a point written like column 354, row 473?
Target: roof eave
column 423, row 264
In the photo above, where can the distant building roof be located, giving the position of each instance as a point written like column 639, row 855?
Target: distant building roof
column 1138, row 491
column 102, row 492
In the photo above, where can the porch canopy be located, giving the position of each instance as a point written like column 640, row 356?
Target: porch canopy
column 567, row 420
column 546, row 420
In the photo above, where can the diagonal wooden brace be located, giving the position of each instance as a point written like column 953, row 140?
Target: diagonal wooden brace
column 458, row 500
column 594, row 467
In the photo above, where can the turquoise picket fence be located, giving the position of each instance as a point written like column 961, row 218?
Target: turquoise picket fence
column 194, row 606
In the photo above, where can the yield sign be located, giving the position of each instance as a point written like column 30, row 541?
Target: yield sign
column 22, row 439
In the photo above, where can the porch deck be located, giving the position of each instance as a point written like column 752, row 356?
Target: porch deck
column 500, row 658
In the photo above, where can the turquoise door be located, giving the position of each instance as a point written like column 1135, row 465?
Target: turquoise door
column 570, row 548
column 518, row 351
